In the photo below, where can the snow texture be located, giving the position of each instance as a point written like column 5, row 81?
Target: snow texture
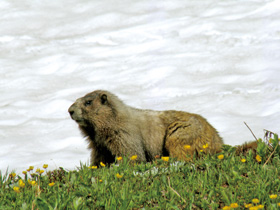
column 220, row 59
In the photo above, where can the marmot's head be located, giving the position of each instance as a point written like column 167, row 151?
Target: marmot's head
column 96, row 109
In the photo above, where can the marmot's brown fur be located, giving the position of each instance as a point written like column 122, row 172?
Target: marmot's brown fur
column 115, row 129
column 246, row 147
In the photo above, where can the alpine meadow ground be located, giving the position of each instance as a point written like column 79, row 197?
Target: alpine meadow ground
column 221, row 181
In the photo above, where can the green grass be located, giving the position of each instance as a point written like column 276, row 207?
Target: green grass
column 206, row 182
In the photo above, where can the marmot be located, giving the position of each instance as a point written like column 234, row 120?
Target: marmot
column 116, row 129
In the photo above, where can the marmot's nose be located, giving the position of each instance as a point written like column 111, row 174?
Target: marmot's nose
column 71, row 110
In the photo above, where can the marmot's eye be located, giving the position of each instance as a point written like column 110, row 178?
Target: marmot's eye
column 87, row 103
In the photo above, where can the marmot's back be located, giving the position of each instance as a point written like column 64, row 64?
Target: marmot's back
column 185, row 128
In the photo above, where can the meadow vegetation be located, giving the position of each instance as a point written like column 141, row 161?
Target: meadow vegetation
column 221, row 181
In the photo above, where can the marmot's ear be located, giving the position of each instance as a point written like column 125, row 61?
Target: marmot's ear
column 103, row 98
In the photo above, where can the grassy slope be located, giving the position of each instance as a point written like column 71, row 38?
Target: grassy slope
column 205, row 183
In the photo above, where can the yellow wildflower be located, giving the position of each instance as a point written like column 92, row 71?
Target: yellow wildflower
column 41, row 171
column 45, row 166
column 253, row 208
column 13, row 174
column 234, row 205
column 258, row 158
column 221, row 157
column 134, row 157
column 226, row 208
column 51, row 184
column 33, row 183
column 102, row 164
column 205, row 146
column 201, row 150
column 21, row 183
column 38, row 170
column 273, row 196
column 119, row 176
column 165, row 159
column 248, row 205
column 243, row 160
column 119, row 158
column 278, row 204
column 260, row 206
column 16, row 189
column 100, row 180
column 31, row 168
column 255, row 200
column 24, row 172
column 187, row 147
column 93, row 167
